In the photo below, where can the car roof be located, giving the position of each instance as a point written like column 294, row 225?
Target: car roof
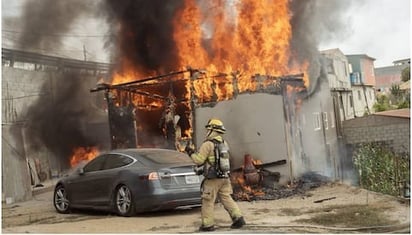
column 134, row 152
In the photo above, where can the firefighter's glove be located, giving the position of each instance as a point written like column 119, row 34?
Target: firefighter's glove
column 198, row 170
column 189, row 150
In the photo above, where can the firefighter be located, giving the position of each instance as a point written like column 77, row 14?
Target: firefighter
column 214, row 186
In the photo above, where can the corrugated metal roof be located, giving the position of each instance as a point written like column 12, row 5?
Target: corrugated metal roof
column 401, row 113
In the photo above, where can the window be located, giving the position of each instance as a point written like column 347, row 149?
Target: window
column 115, row 161
column 96, row 164
column 325, row 120
column 316, row 121
column 350, row 101
column 359, row 95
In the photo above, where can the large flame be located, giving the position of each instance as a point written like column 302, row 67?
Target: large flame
column 83, row 154
column 229, row 43
column 245, row 36
column 250, row 37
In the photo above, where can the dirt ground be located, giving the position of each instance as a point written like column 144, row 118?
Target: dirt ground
column 288, row 215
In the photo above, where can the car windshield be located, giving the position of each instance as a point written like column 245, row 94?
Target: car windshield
column 166, row 157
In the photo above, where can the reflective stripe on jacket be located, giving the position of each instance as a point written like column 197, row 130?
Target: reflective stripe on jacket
column 206, row 153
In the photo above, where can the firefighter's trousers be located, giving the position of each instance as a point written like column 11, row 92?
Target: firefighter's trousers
column 222, row 189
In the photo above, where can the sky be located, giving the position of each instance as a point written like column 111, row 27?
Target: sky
column 378, row 28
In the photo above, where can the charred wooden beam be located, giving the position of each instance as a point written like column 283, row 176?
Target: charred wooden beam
column 141, row 81
column 262, row 166
column 269, row 164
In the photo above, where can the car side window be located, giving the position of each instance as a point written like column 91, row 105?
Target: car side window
column 115, row 161
column 95, row 164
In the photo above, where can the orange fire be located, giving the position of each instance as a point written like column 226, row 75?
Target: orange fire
column 83, row 154
column 242, row 190
column 245, row 38
column 251, row 37
column 231, row 45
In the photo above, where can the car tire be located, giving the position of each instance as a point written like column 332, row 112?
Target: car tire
column 60, row 200
column 123, row 201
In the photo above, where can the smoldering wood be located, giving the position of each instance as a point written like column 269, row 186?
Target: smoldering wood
column 299, row 186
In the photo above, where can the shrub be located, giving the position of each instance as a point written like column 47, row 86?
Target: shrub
column 380, row 169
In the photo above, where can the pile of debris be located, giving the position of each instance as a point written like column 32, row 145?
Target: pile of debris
column 300, row 186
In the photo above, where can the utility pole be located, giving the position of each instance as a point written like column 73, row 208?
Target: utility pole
column 84, row 52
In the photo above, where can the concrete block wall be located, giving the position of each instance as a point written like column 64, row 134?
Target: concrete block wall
column 20, row 88
column 375, row 128
column 16, row 181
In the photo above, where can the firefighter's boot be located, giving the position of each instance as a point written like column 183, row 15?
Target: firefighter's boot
column 238, row 222
column 207, row 229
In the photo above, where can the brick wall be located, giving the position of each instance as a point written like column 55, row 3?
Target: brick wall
column 375, row 128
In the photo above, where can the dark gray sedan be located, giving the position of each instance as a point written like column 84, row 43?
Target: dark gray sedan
column 130, row 181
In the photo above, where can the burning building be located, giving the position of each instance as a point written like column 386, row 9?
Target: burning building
column 253, row 64
column 267, row 123
column 248, row 63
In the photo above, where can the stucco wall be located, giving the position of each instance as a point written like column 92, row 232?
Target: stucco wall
column 386, row 76
column 368, row 72
column 363, row 99
column 318, row 136
column 376, row 128
column 255, row 125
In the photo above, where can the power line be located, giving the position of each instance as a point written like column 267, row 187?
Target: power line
column 62, row 53
column 11, row 42
column 59, row 35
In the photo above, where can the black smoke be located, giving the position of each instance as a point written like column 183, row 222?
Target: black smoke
column 143, row 32
column 58, row 120
column 45, row 22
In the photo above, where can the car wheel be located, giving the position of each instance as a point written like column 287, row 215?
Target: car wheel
column 123, row 202
column 60, row 200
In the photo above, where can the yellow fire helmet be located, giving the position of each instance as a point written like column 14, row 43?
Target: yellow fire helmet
column 216, row 125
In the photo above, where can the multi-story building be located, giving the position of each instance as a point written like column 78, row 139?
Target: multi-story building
column 389, row 75
column 337, row 68
column 362, row 78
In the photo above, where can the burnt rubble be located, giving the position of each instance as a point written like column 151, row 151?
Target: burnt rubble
column 300, row 186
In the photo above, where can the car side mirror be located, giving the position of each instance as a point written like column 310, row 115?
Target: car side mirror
column 81, row 171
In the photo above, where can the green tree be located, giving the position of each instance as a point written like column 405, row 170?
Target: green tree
column 396, row 91
column 406, row 74
column 382, row 103
column 399, row 98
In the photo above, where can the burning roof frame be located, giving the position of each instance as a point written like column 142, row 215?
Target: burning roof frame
column 276, row 85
